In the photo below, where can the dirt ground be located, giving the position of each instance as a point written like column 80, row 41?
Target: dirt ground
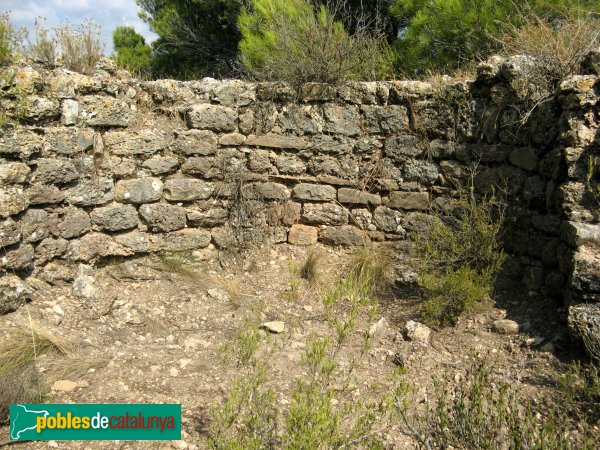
column 156, row 328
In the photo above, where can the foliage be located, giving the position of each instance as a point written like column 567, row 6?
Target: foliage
column 480, row 412
column 196, row 38
column 80, row 48
column 461, row 254
column 131, row 51
column 10, row 37
column 373, row 263
column 580, row 390
column 44, row 46
column 443, row 35
column 295, row 42
column 309, row 270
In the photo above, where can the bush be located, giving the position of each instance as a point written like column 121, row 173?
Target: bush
column 81, row 47
column 44, row 47
column 9, row 39
column 461, row 254
column 294, row 42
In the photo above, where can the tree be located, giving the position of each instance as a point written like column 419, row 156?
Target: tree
column 131, row 50
column 443, row 35
column 294, row 41
column 196, row 37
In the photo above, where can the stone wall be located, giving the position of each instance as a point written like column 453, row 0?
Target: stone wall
column 104, row 165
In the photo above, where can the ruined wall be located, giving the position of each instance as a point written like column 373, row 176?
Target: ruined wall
column 105, row 165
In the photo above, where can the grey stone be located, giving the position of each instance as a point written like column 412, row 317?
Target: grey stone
column 14, row 293
column 160, row 165
column 41, row 194
column 388, row 220
column 187, row 189
column 359, row 93
column 49, row 249
column 93, row 192
column 55, row 171
column 421, row 171
column 260, row 161
column 409, row 200
column 290, row 164
column 346, row 235
column 105, row 111
column 272, row 140
column 163, row 217
column 356, row 197
column 232, row 139
column 234, row 93
column 115, row 217
column 40, row 109
column 20, row 258
column 195, row 142
column 506, row 326
column 385, row 119
column 73, row 222
column 14, row 173
column 403, row 147
column 57, row 272
column 138, row 190
column 577, row 233
column 134, row 143
column 134, row 241
column 70, row 111
column 21, row 145
column 324, row 213
column 34, row 225
column 84, row 285
column 276, row 327
column 417, row 332
column 182, row 240
column 212, row 217
column 524, row 158
column 266, row 191
column 95, row 246
column 199, row 166
column 341, row 120
column 10, row 232
column 317, row 92
column 313, row 192
column 13, row 200
column 212, row 117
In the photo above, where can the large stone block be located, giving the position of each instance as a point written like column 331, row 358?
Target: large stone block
column 18, row 259
column 212, row 117
column 55, row 171
column 346, row 236
column 95, row 246
column 324, row 214
column 409, row 200
column 182, row 240
column 341, row 120
column 163, row 217
column 42, row 194
column 10, row 232
column 280, row 141
column 524, row 158
column 388, row 220
column 385, row 119
column 356, row 197
column 187, row 189
column 303, row 235
column 115, row 217
column 134, row 143
column 195, row 142
column 138, row 190
column 313, row 192
column 161, row 165
column 105, row 111
column 71, row 222
column 34, row 225
column 421, row 171
column 93, row 192
column 266, row 191
column 403, row 147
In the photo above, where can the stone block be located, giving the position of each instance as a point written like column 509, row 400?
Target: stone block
column 303, row 235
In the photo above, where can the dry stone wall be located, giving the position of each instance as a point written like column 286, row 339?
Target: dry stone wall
column 107, row 166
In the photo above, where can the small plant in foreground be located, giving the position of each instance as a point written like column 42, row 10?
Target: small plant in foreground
column 81, row 47
column 43, row 48
column 9, row 39
column 372, row 263
column 461, row 255
column 309, row 270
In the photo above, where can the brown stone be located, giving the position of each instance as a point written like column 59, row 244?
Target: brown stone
column 302, row 235
column 409, row 200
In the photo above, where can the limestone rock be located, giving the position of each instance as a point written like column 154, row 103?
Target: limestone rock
column 212, row 117
column 10, row 232
column 324, row 213
column 313, row 192
column 142, row 142
column 163, row 217
column 195, row 142
column 356, row 197
column 55, row 171
column 409, row 200
column 20, row 258
column 73, row 222
column 41, row 194
column 14, row 173
column 91, row 192
column 115, row 217
column 345, row 235
column 138, row 190
column 160, row 165
column 187, row 189
column 506, row 326
column 13, row 200
column 276, row 327
column 417, row 332
column 14, row 293
column 272, row 140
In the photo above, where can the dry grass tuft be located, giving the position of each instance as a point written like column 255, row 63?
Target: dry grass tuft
column 372, row 263
column 74, row 367
column 22, row 386
column 309, row 271
column 21, row 347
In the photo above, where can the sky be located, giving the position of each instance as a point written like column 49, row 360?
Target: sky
column 107, row 13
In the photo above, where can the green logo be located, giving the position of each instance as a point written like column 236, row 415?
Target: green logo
column 90, row 422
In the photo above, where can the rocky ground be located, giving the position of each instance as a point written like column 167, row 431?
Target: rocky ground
column 153, row 329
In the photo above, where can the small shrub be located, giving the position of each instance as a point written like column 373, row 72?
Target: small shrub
column 373, row 263
column 580, row 390
column 81, row 47
column 295, row 42
column 10, row 37
column 457, row 292
column 309, row 270
column 461, row 255
column 44, row 47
